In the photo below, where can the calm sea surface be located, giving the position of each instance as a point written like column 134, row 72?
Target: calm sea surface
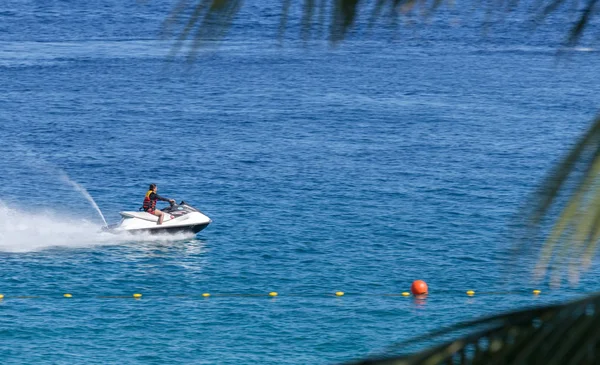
column 355, row 169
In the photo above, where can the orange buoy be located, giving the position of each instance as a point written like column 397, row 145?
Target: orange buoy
column 418, row 287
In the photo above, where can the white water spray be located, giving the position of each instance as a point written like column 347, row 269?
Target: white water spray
column 85, row 193
column 35, row 160
column 22, row 231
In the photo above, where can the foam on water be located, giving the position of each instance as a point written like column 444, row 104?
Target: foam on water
column 22, row 231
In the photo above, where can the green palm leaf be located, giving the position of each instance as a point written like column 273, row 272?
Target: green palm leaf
column 572, row 189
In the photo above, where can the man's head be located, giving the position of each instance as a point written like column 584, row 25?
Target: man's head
column 152, row 187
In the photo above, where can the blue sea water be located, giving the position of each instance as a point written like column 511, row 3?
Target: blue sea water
column 395, row 156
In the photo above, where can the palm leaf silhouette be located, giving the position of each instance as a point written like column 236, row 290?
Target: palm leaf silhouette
column 573, row 189
column 199, row 22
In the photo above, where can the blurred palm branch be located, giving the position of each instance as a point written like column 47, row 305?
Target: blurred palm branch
column 195, row 23
column 573, row 190
column 564, row 212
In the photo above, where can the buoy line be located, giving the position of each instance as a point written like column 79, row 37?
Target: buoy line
column 418, row 290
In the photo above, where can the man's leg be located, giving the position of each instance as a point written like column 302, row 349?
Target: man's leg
column 160, row 216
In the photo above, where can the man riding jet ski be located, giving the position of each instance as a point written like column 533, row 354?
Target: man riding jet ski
column 149, row 204
column 175, row 218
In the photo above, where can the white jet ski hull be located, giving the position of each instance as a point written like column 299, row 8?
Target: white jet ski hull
column 186, row 219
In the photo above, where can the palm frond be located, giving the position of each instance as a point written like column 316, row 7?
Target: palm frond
column 307, row 18
column 284, row 17
column 573, row 190
column 343, row 15
column 199, row 21
column 578, row 28
column 554, row 334
column 207, row 20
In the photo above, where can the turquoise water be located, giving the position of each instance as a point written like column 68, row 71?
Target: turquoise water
column 356, row 169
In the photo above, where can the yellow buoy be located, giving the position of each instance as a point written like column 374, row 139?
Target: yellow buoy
column 1, row 296
column 339, row 293
column 137, row 295
column 273, row 293
column 406, row 294
column 67, row 295
column 537, row 292
column 206, row 295
column 470, row 293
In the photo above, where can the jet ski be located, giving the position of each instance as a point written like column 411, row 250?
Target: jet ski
column 178, row 218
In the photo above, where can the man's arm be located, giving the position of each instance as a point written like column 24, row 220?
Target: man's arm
column 158, row 197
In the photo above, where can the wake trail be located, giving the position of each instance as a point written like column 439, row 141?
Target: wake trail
column 28, row 232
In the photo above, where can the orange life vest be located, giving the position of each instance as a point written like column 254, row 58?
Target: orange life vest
column 149, row 204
